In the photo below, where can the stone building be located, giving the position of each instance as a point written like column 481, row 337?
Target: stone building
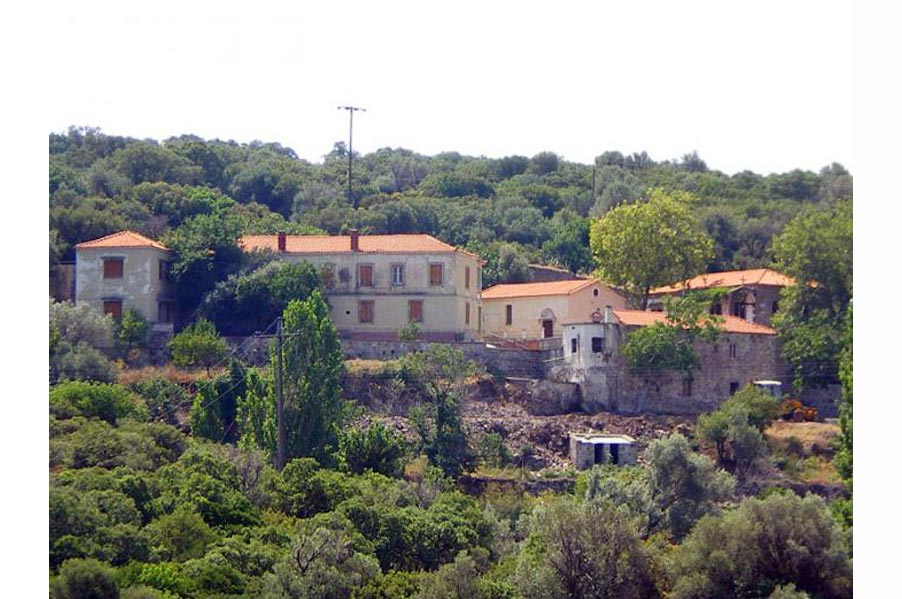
column 587, row 450
column 592, row 358
column 123, row 271
column 752, row 295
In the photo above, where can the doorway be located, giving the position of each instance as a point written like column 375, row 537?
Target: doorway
column 547, row 328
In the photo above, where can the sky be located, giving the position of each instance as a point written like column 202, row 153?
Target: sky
column 763, row 86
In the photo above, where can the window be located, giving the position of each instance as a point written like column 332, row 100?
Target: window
column 716, row 308
column 687, row 387
column 467, row 314
column 113, row 307
column 595, row 292
column 574, row 343
column 397, row 275
column 365, row 310
column 166, row 311
column 738, row 309
column 164, row 270
column 112, row 268
column 597, row 345
column 435, row 275
column 732, row 350
column 734, row 387
column 509, row 315
column 415, row 310
column 365, row 275
column 774, row 307
column 467, row 277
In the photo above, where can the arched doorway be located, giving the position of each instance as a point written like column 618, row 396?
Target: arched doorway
column 547, row 319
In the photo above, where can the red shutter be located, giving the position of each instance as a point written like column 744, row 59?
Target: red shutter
column 112, row 268
column 113, row 307
column 365, row 275
column 435, row 274
column 366, row 311
column 415, row 310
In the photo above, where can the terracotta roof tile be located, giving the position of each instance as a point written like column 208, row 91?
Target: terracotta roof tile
column 731, row 324
column 512, row 290
column 731, row 278
column 122, row 239
column 339, row 244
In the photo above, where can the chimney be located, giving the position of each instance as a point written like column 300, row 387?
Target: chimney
column 355, row 240
column 281, row 236
column 609, row 315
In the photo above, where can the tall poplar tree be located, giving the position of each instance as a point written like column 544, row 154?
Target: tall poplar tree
column 313, row 364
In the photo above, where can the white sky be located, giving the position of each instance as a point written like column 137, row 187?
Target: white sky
column 765, row 86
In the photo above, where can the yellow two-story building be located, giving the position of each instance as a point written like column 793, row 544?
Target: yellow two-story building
column 377, row 284
column 125, row 271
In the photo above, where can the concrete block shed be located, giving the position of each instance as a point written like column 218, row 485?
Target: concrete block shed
column 587, row 450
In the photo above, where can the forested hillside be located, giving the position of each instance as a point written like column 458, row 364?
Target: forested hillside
column 511, row 210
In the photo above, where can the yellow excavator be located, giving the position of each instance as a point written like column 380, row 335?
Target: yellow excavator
column 790, row 408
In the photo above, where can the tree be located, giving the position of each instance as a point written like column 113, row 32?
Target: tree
column 198, row 345
column 649, row 243
column 662, row 346
column 84, row 579
column 375, row 448
column 685, row 485
column 762, row 545
column 815, row 249
column 440, row 373
column 326, row 562
column 206, row 250
column 569, row 246
column 581, row 550
column 245, row 303
column 313, row 365
column 132, row 331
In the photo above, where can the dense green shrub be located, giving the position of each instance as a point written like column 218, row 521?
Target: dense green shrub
column 376, row 448
column 84, row 579
column 162, row 397
column 761, row 545
column 109, row 402
column 199, row 345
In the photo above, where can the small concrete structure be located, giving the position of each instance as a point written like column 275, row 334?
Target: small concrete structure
column 589, row 449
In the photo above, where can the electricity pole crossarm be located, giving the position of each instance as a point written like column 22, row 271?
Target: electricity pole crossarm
column 351, row 110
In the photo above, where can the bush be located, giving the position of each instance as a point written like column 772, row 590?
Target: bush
column 162, row 396
column 685, row 485
column 198, row 345
column 493, row 450
column 131, row 331
column 84, row 579
column 763, row 544
column 374, row 448
column 584, row 550
column 181, row 535
column 108, row 402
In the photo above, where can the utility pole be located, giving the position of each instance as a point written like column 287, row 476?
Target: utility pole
column 280, row 398
column 351, row 110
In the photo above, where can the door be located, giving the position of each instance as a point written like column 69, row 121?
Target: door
column 547, row 328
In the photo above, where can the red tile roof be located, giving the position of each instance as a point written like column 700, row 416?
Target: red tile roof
column 122, row 239
column 731, row 278
column 339, row 244
column 512, row 290
column 731, row 324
